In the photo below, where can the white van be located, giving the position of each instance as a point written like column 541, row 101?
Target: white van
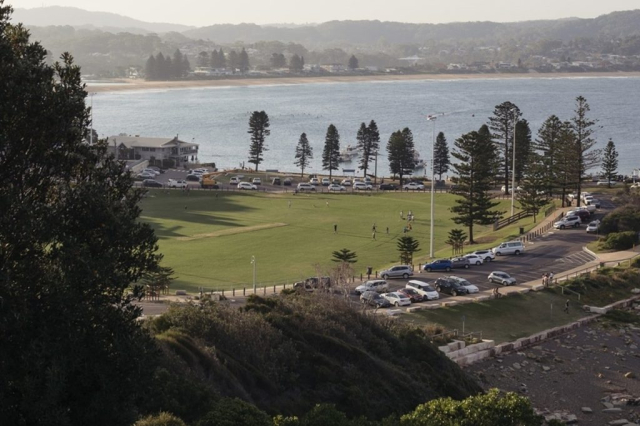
column 426, row 290
column 511, row 247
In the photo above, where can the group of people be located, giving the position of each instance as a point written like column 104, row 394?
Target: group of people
column 409, row 226
column 547, row 279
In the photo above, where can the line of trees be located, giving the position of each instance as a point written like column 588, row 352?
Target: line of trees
column 217, row 59
column 162, row 67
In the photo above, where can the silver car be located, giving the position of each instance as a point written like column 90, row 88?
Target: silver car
column 502, row 278
column 400, row 271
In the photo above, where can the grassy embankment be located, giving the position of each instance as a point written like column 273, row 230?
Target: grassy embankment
column 209, row 239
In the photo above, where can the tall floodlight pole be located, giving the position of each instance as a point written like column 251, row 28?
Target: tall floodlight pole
column 433, row 187
column 253, row 262
column 513, row 164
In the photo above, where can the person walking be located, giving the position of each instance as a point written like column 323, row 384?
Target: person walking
column 373, row 235
column 387, row 230
column 373, row 228
column 401, row 216
column 550, row 278
column 566, row 307
column 335, row 228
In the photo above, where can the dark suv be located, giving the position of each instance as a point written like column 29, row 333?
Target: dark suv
column 313, row 283
column 449, row 286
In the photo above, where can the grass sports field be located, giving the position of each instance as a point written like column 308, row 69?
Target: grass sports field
column 208, row 238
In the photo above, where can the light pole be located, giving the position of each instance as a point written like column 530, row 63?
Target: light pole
column 91, row 136
column 513, row 163
column 433, row 175
column 253, row 262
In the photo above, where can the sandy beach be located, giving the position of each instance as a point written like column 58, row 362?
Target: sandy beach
column 127, row 85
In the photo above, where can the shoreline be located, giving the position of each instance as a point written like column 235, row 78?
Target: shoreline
column 122, row 85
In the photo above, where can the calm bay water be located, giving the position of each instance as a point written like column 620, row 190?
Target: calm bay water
column 217, row 118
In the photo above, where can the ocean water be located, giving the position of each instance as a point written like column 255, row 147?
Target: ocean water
column 217, row 118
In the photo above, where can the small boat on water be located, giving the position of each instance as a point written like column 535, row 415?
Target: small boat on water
column 348, row 154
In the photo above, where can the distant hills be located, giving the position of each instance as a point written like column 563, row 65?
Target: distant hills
column 57, row 15
column 613, row 25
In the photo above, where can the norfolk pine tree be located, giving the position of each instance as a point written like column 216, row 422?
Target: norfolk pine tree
column 548, row 145
column 533, row 196
column 71, row 243
column 304, row 153
column 523, row 149
column 583, row 142
column 400, row 153
column 456, row 240
column 243, row 61
column 259, row 130
column 441, row 156
column 353, row 63
column 475, row 152
column 331, row 152
column 344, row 256
column 369, row 143
column 501, row 125
column 610, row 162
column 407, row 246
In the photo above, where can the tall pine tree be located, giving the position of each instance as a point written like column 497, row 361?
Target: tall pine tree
column 523, row 149
column 583, row 142
column 331, row 152
column 502, row 124
column 304, row 153
column 259, row 130
column 400, row 153
column 475, row 152
column 441, row 156
column 243, row 61
column 610, row 162
column 547, row 145
column 533, row 196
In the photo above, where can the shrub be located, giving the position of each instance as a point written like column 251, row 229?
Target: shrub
column 625, row 218
column 162, row 419
column 620, row 240
column 235, row 412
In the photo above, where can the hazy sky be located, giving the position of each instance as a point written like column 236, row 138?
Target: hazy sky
column 207, row 12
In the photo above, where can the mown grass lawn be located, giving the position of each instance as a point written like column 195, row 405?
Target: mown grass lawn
column 505, row 319
column 208, row 238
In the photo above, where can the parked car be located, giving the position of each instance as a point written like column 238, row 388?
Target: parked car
column 326, row 182
column 306, row 187
column 486, row 255
column 438, row 265
column 595, row 202
column 397, row 299
column 509, row 247
column 361, row 186
column 156, row 169
column 474, row 259
column 460, row 262
column 412, row 294
column 256, row 181
column 388, row 187
column 336, row 188
column 448, row 286
column 312, row 283
column 146, row 175
column 314, row 181
column 606, row 183
column 372, row 298
column 234, row 180
column 568, row 222
column 593, row 226
column 500, row 277
column 582, row 213
column 504, row 188
column 287, row 182
column 151, row 171
column 346, row 182
column 276, row 181
column 173, row 183
column 400, row 271
column 465, row 283
column 379, row 286
column 247, row 186
column 193, row 178
column 150, row 183
column 426, row 290
column 412, row 186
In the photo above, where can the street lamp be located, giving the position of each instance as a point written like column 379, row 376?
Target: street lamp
column 253, row 262
column 513, row 163
column 433, row 175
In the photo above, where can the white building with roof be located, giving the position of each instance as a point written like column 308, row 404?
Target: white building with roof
column 153, row 149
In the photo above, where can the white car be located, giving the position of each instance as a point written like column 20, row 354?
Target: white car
column 425, row 289
column 606, row 183
column 361, row 186
column 413, row 186
column 326, row 182
column 146, row 175
column 486, row 255
column 346, row 182
column 257, row 181
column 173, row 183
column 306, row 187
column 397, row 299
column 504, row 188
column 247, row 185
column 373, row 285
column 568, row 222
column 334, row 187
column 593, row 226
column 314, row 181
column 151, row 171
column 474, row 259
column 234, row 180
